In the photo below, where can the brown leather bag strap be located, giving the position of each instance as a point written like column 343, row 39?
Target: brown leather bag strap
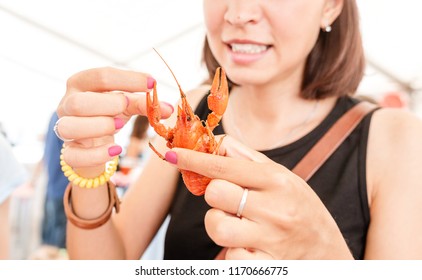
column 332, row 139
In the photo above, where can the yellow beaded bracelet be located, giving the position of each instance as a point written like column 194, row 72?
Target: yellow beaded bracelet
column 88, row 183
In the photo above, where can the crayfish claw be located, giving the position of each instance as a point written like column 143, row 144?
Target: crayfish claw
column 218, row 98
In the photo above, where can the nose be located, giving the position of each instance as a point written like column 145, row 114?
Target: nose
column 241, row 12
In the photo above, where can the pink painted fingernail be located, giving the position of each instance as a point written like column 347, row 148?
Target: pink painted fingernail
column 150, row 82
column 118, row 123
column 114, row 150
column 171, row 157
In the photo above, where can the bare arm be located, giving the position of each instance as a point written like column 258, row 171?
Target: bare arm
column 394, row 186
column 128, row 233
column 146, row 204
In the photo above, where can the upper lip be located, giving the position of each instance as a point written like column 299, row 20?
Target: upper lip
column 244, row 41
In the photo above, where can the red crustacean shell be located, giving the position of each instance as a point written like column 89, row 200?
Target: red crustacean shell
column 190, row 132
column 193, row 135
column 195, row 183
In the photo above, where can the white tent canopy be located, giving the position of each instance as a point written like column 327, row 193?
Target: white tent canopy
column 46, row 41
column 392, row 41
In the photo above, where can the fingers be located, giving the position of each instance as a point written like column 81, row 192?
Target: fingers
column 78, row 156
column 216, row 197
column 88, row 127
column 229, row 231
column 98, row 102
column 86, row 93
column 227, row 196
column 238, row 171
column 110, row 79
column 93, row 104
column 110, row 104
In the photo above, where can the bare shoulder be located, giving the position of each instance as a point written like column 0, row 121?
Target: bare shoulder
column 394, row 129
column 394, row 148
column 394, row 165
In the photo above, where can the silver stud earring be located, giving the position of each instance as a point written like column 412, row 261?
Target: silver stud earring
column 327, row 28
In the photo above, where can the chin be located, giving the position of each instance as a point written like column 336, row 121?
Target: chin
column 245, row 75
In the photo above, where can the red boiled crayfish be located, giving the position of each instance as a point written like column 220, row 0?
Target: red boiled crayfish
column 190, row 132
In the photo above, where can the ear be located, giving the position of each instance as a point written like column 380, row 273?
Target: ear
column 332, row 9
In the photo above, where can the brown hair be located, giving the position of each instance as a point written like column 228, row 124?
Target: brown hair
column 336, row 64
column 140, row 127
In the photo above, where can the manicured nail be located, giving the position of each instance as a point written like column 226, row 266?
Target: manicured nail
column 171, row 157
column 150, row 82
column 168, row 105
column 118, row 123
column 114, row 150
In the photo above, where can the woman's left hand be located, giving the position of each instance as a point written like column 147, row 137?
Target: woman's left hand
column 282, row 217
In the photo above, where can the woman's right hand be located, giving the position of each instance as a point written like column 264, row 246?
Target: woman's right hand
column 276, row 204
column 98, row 102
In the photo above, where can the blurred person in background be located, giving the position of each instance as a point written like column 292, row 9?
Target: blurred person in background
column 12, row 175
column 53, row 228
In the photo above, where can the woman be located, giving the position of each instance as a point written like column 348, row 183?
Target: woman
column 12, row 175
column 292, row 67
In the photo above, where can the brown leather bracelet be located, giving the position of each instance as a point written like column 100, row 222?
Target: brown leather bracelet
column 114, row 202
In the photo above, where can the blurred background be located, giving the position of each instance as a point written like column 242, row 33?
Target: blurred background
column 43, row 42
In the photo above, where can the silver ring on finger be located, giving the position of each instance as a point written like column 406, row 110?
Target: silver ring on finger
column 242, row 202
column 56, row 130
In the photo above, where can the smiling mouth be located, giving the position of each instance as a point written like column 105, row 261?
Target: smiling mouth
column 248, row 48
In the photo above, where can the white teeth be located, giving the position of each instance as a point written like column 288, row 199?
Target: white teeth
column 248, row 48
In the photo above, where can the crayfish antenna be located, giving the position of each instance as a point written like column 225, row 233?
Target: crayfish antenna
column 171, row 71
column 185, row 106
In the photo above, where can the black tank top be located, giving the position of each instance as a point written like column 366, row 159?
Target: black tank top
column 340, row 183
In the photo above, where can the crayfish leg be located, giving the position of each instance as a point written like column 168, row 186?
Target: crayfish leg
column 217, row 148
column 155, row 151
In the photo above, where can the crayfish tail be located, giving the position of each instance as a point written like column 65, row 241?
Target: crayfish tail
column 195, row 183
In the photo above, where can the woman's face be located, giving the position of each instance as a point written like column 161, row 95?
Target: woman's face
column 259, row 41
